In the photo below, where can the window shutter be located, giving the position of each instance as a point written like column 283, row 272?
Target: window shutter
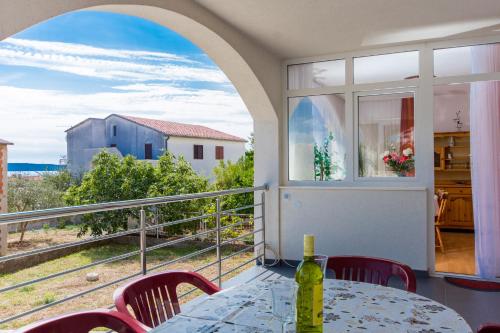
column 219, row 152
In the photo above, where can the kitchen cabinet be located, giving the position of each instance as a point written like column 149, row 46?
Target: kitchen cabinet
column 459, row 212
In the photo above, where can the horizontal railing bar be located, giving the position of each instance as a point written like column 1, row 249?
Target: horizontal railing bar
column 187, row 256
column 229, row 226
column 180, row 240
column 171, row 223
column 243, row 264
column 71, row 244
column 239, row 215
column 206, row 266
column 188, row 292
column 72, row 270
column 82, row 293
column 240, row 237
column 238, row 208
column 109, row 206
column 241, row 251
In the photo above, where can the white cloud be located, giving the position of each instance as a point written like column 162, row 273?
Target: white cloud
column 102, row 63
column 35, row 120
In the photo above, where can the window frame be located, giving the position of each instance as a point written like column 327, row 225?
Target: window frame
column 197, row 152
column 148, row 147
column 347, row 130
column 219, row 153
column 356, row 97
column 115, row 130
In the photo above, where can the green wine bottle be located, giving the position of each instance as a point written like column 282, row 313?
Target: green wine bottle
column 309, row 278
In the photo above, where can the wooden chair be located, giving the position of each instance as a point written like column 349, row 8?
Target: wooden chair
column 489, row 328
column 439, row 218
column 84, row 322
column 153, row 298
column 371, row 270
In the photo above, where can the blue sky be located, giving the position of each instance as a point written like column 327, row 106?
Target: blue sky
column 90, row 64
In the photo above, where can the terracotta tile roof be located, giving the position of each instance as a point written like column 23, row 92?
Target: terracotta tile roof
column 183, row 130
column 3, row 142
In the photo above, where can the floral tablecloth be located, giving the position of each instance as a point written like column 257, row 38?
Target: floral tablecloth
column 348, row 307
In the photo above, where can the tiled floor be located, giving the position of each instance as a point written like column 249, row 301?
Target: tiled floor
column 475, row 306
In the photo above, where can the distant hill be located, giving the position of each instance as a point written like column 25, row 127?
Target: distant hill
column 20, row 167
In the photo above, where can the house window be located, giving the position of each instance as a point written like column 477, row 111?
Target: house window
column 114, row 130
column 148, row 151
column 475, row 59
column 112, row 145
column 386, row 67
column 219, row 152
column 317, row 138
column 198, row 152
column 316, row 74
column 386, row 145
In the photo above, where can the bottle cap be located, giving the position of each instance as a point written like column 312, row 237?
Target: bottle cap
column 308, row 245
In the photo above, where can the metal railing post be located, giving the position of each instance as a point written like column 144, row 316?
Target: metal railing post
column 143, row 241
column 218, row 241
column 263, row 221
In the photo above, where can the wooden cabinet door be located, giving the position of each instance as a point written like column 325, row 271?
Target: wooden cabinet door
column 459, row 212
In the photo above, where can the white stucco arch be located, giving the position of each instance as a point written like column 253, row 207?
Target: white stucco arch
column 255, row 73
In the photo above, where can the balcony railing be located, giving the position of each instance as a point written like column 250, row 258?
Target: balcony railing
column 143, row 205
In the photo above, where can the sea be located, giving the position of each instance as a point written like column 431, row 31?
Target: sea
column 33, row 169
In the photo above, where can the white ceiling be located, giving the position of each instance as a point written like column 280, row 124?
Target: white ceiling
column 302, row 28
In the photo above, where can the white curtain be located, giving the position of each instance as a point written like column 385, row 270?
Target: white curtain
column 485, row 149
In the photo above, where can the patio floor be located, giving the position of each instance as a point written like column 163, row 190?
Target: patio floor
column 475, row 306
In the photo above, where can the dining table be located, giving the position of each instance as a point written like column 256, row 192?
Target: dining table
column 347, row 307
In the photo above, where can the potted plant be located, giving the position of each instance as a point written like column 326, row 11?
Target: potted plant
column 402, row 164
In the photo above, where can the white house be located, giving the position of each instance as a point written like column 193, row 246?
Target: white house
column 148, row 139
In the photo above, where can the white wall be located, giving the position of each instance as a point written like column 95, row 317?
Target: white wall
column 184, row 146
column 381, row 222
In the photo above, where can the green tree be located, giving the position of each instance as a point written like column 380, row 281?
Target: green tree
column 230, row 175
column 174, row 177
column 29, row 193
column 112, row 179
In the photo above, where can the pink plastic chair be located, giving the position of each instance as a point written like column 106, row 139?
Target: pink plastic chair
column 371, row 270
column 84, row 322
column 489, row 328
column 153, row 298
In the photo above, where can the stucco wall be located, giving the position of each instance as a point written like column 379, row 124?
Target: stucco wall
column 382, row 222
column 89, row 134
column 184, row 146
column 130, row 138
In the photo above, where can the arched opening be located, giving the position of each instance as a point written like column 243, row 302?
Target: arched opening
column 254, row 72
column 229, row 58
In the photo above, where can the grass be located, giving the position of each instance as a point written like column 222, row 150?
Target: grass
column 44, row 237
column 49, row 291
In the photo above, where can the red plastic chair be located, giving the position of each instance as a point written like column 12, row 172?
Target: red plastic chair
column 84, row 322
column 489, row 328
column 371, row 270
column 153, row 298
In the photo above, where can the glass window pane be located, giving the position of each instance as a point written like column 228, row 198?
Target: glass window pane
column 316, row 137
column 465, row 60
column 316, row 74
column 386, row 67
column 386, row 135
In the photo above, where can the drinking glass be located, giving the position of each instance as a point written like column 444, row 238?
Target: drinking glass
column 321, row 260
column 284, row 296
